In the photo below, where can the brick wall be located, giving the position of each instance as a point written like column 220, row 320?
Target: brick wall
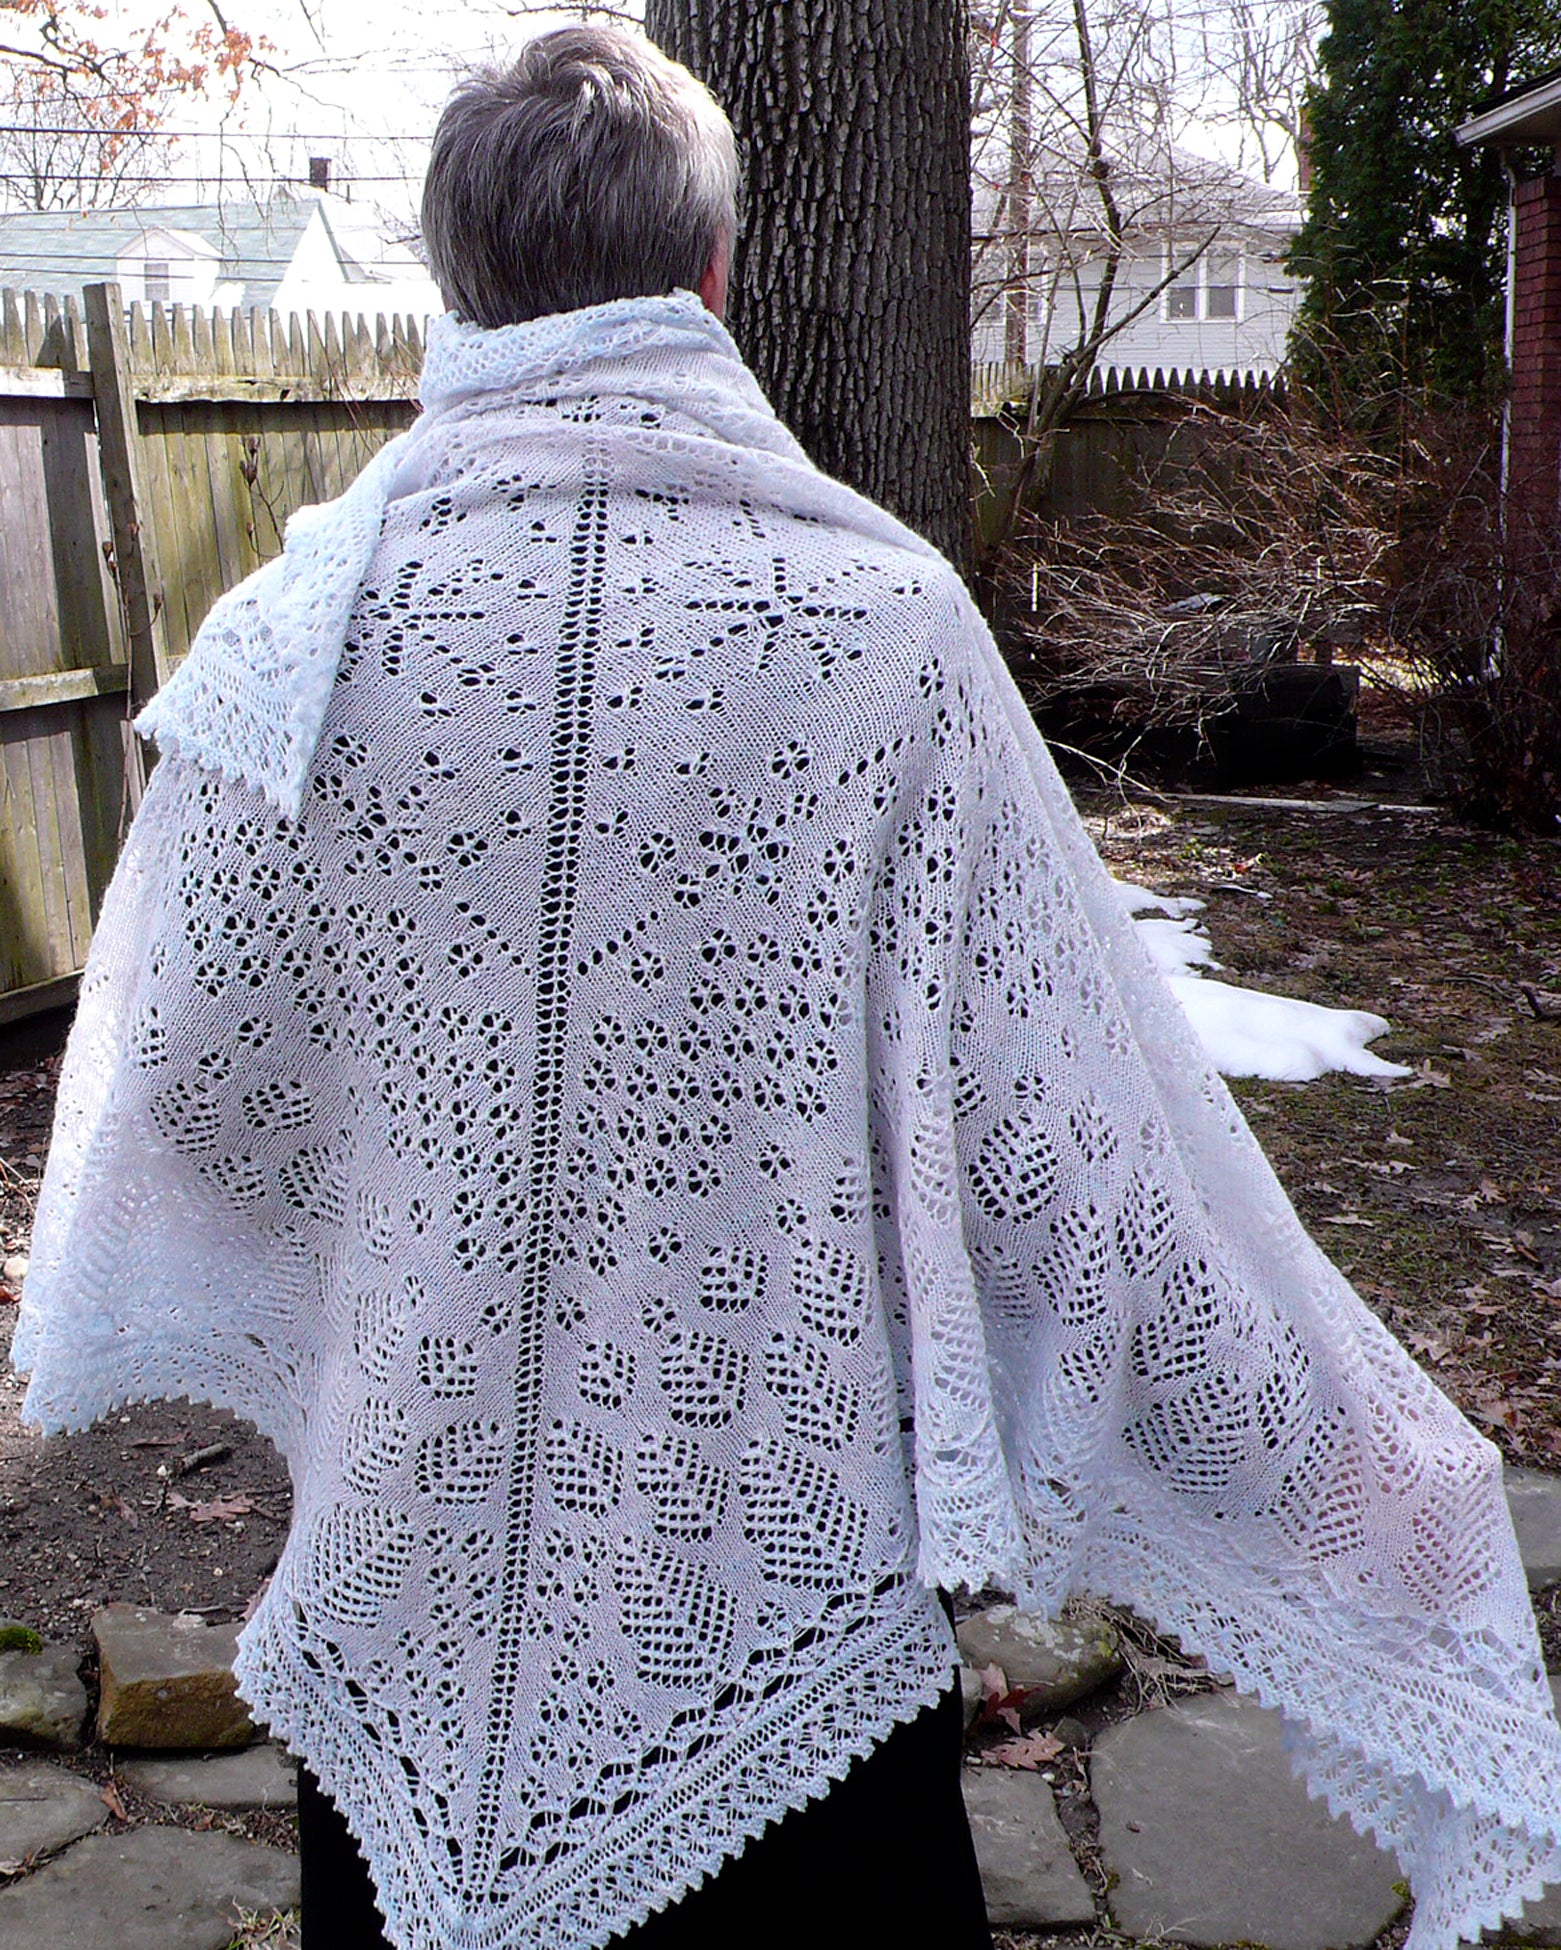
column 1535, row 452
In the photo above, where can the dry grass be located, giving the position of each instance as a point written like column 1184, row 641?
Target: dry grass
column 266, row 1930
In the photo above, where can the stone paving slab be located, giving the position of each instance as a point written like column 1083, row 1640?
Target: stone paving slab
column 1212, row 1840
column 1028, row 1873
column 148, row 1889
column 42, row 1700
column 260, row 1777
column 43, row 1807
column 167, row 1681
column 1052, row 1661
column 1534, row 1498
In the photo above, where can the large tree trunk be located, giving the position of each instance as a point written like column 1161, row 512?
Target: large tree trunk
column 850, row 295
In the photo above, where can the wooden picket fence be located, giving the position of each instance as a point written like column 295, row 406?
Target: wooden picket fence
column 1128, row 425
column 148, row 461
column 996, row 386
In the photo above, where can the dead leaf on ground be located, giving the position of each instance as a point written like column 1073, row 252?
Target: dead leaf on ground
column 220, row 1509
column 108, row 1794
column 1029, row 1751
column 1000, row 1702
column 1498, row 1413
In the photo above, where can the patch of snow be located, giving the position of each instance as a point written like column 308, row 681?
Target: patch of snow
column 1139, row 899
column 1248, row 1033
column 1176, row 945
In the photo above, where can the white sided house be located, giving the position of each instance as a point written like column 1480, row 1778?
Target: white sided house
column 303, row 251
column 1199, row 284
column 173, row 267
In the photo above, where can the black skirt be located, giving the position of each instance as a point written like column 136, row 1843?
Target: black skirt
column 885, row 1856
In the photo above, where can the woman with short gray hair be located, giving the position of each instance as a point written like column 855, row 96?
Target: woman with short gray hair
column 592, row 169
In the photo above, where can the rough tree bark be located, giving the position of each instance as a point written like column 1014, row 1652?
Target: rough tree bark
column 850, row 294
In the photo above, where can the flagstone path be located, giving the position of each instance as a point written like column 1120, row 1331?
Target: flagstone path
column 1188, row 1826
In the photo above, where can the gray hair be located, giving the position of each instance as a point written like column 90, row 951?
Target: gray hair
column 593, row 168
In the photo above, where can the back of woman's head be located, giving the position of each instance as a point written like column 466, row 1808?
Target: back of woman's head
column 592, row 168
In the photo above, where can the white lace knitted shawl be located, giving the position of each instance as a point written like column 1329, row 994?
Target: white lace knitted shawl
column 591, row 1063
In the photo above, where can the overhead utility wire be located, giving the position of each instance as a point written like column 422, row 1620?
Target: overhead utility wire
column 180, row 176
column 206, row 135
column 50, row 260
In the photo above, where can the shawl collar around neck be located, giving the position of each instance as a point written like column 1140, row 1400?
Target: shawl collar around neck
column 249, row 700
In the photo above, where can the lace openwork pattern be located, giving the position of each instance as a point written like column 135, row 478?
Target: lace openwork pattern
column 678, row 1144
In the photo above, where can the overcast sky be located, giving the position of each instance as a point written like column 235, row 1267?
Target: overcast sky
column 358, row 81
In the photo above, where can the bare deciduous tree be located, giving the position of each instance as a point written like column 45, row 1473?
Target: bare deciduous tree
column 1090, row 207
column 86, row 94
column 849, row 293
column 1261, row 56
column 67, row 144
column 103, row 55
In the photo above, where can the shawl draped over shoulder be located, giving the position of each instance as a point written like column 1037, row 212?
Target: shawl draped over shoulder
column 609, row 1042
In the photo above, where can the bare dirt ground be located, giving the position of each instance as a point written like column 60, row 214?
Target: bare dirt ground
column 1440, row 1195
column 169, row 1505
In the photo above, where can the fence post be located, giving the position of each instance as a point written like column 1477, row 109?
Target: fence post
column 108, row 354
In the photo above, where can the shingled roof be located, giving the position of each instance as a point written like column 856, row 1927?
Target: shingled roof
column 59, row 251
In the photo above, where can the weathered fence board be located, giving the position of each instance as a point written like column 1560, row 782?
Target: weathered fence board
column 1128, row 425
column 51, row 835
column 62, row 686
column 125, row 490
column 25, row 570
column 148, row 461
column 222, row 476
column 62, row 657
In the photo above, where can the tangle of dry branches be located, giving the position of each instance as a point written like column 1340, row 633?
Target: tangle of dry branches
column 1262, row 536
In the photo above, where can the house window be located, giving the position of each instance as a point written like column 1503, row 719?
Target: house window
column 159, row 281
column 1221, row 282
column 1207, row 289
